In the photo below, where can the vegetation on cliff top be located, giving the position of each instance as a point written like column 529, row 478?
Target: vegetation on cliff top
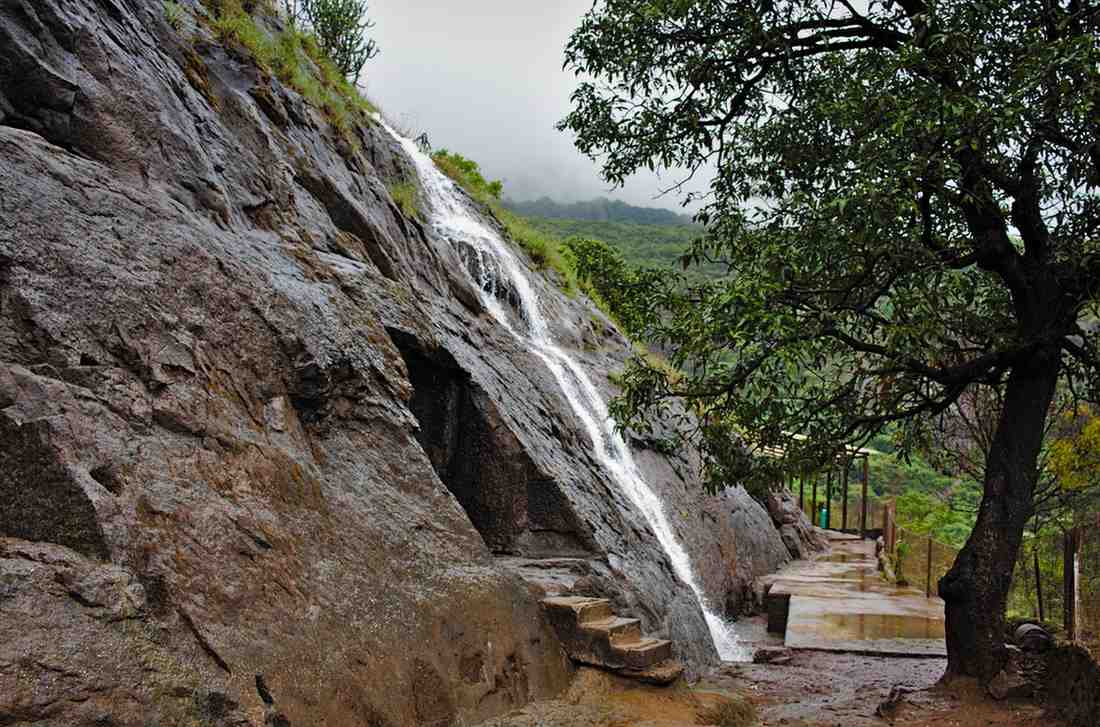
column 291, row 54
column 341, row 29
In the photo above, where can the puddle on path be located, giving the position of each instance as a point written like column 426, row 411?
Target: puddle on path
column 869, row 626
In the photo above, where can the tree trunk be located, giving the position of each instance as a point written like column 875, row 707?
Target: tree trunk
column 975, row 590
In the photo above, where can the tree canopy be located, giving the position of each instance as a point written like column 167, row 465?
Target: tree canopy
column 904, row 195
column 341, row 27
column 886, row 184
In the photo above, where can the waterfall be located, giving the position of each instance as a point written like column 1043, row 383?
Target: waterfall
column 495, row 264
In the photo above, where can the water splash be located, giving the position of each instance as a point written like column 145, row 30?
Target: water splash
column 499, row 273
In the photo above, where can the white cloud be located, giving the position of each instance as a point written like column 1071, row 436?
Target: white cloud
column 484, row 78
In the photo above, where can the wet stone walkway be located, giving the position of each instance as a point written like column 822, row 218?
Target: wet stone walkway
column 839, row 602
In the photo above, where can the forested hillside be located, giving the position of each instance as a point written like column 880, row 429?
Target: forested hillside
column 603, row 210
column 642, row 245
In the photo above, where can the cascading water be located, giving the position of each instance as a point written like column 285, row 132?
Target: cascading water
column 495, row 265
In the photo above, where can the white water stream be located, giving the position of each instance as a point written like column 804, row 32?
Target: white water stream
column 452, row 219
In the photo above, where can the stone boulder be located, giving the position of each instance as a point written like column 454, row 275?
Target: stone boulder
column 760, row 547
column 798, row 534
column 1033, row 637
column 1072, row 688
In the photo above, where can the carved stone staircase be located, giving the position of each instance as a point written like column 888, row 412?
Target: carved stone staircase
column 592, row 634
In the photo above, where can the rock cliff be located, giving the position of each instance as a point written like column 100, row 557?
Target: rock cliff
column 263, row 455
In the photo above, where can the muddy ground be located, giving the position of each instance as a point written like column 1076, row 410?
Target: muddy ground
column 825, row 689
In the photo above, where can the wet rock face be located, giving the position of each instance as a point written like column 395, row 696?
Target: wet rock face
column 517, row 508
column 760, row 547
column 220, row 456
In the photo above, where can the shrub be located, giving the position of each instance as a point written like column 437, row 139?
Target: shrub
column 297, row 59
column 173, row 14
column 406, row 195
column 340, row 27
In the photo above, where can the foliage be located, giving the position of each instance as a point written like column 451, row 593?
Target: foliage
column 542, row 247
column 908, row 195
column 1075, row 459
column 296, row 59
column 407, row 196
column 173, row 14
column 895, row 148
column 467, row 173
column 341, row 27
column 598, row 210
column 603, row 262
column 643, row 245
column 948, row 520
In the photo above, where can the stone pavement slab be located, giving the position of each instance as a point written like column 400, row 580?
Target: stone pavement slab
column 839, row 602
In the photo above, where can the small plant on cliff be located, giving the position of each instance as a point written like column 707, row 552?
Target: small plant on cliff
column 407, row 197
column 467, row 174
column 173, row 14
column 297, row 59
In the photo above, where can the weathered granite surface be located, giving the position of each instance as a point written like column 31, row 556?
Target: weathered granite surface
column 259, row 443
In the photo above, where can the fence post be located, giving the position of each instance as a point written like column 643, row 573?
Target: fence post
column 802, row 492
column 890, row 527
column 886, row 535
column 844, row 495
column 1038, row 582
column 1070, row 573
column 928, row 572
column 813, row 515
column 863, row 503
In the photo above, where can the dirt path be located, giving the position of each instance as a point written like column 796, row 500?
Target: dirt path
column 826, row 689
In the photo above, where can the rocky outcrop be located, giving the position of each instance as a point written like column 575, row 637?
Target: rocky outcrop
column 795, row 529
column 259, row 442
column 1072, row 685
column 760, row 549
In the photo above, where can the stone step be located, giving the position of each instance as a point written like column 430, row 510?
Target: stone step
column 619, row 631
column 584, row 610
column 645, row 653
column 592, row 634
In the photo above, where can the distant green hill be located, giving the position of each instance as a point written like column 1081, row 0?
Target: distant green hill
column 600, row 210
column 644, row 245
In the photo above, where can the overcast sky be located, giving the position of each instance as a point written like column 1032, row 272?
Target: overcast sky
column 484, row 78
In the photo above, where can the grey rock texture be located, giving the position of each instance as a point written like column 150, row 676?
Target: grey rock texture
column 795, row 529
column 760, row 549
column 245, row 401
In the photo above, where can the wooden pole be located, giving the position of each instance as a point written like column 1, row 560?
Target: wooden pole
column 813, row 515
column 928, row 572
column 829, row 498
column 863, row 505
column 844, row 495
column 1069, row 572
column 889, row 521
column 1038, row 584
column 802, row 492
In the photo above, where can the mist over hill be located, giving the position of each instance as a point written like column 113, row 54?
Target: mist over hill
column 599, row 210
